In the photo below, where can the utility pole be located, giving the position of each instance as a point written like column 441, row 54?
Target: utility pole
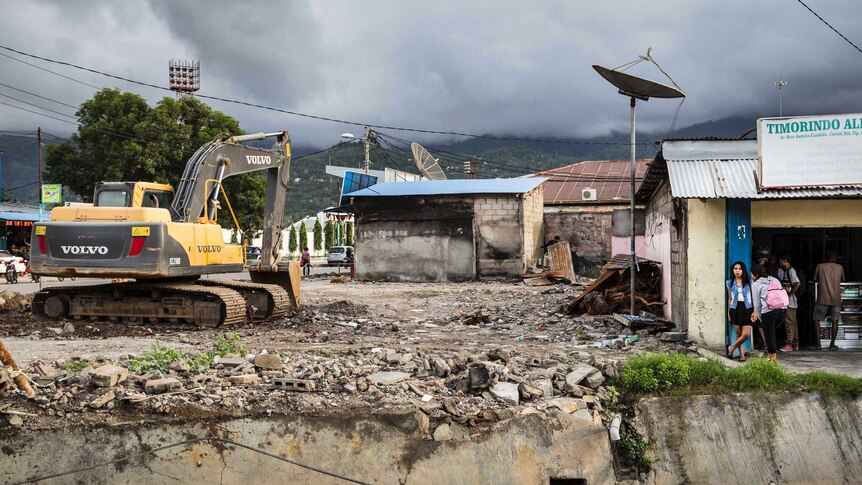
column 367, row 150
column 780, row 84
column 39, row 188
column 471, row 169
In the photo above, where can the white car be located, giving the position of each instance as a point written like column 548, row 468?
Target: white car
column 5, row 257
column 340, row 256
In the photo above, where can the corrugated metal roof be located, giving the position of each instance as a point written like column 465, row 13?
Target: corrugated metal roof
column 735, row 179
column 451, row 187
column 610, row 179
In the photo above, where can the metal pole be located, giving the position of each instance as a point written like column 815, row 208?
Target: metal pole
column 367, row 150
column 633, row 269
column 39, row 191
column 1, row 174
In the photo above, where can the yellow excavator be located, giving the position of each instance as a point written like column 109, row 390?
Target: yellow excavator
column 162, row 241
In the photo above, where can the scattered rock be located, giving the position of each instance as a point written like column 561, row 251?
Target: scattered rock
column 506, row 391
column 579, row 372
column 15, row 420
column 529, row 392
column 104, row 399
column 443, row 433
column 229, row 362
column 387, row 378
column 68, row 328
column 267, row 361
column 161, row 386
column 243, row 379
column 411, row 421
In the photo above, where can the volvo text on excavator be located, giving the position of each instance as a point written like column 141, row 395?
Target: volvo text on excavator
column 165, row 240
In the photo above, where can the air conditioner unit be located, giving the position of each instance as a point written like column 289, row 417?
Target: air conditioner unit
column 588, row 194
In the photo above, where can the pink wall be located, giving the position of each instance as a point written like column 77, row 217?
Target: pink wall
column 623, row 245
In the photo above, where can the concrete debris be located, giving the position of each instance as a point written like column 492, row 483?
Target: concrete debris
column 387, row 378
column 578, row 373
column 160, row 386
column 443, row 433
column 229, row 362
column 267, row 361
column 103, row 400
column 243, row 379
column 108, row 375
column 300, row 385
column 506, row 391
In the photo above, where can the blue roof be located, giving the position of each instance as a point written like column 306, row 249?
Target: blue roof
column 451, row 187
column 19, row 216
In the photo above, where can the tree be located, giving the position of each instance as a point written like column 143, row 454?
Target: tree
column 348, row 234
column 318, row 235
column 329, row 234
column 120, row 137
column 303, row 236
column 291, row 246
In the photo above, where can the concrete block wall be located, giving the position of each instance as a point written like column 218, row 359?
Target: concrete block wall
column 665, row 243
column 499, row 234
column 587, row 229
column 532, row 208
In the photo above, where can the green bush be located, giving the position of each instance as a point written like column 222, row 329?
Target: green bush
column 156, row 359
column 160, row 357
column 78, row 365
column 635, row 448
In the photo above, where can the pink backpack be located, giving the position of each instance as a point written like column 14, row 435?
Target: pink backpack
column 776, row 297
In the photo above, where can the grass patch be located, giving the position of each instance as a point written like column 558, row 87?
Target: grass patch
column 160, row 356
column 676, row 374
column 78, row 365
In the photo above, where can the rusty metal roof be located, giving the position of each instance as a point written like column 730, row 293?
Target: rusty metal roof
column 610, row 179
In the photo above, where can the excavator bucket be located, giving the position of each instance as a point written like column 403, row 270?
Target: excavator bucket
column 287, row 276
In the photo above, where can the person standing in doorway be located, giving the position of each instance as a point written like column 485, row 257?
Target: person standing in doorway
column 768, row 317
column 739, row 307
column 791, row 284
column 305, row 262
column 829, row 276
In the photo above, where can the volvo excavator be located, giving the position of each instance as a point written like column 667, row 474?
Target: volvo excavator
column 156, row 243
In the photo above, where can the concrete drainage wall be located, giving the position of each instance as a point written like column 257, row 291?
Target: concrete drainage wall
column 529, row 449
column 747, row 438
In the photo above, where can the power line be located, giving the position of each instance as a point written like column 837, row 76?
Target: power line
column 38, row 106
column 316, row 117
column 830, row 26
column 39, row 96
column 50, row 71
column 131, row 456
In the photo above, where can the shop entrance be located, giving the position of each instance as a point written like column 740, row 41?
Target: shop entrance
column 807, row 247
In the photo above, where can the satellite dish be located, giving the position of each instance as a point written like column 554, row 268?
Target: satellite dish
column 638, row 87
column 426, row 164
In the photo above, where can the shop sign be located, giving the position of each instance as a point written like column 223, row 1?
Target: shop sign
column 18, row 223
column 810, row 151
column 52, row 194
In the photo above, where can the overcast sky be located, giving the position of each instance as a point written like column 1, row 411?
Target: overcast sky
column 501, row 67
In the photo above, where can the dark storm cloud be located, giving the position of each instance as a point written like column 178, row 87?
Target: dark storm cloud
column 501, row 67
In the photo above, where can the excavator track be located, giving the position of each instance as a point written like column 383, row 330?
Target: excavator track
column 144, row 302
column 267, row 301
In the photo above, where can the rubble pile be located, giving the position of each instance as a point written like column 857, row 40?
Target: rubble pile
column 11, row 300
column 611, row 291
column 436, row 395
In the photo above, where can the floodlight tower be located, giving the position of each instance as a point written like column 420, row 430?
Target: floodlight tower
column 636, row 88
column 184, row 77
column 780, row 85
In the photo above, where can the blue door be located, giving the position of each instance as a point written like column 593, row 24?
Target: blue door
column 738, row 248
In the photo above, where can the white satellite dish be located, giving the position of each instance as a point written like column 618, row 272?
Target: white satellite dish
column 426, row 164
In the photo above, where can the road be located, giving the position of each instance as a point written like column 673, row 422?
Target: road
column 25, row 285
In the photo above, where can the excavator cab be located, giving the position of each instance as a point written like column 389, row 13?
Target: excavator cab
column 133, row 194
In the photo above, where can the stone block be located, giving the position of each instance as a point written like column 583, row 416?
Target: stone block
column 108, row 375
column 267, row 361
column 295, row 385
column 102, row 400
column 230, row 362
column 160, row 386
column 443, row 433
column 387, row 378
column 579, row 372
column 506, row 391
column 243, row 379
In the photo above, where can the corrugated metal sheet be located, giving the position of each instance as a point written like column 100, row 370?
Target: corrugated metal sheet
column 610, row 179
column 735, row 179
column 451, row 187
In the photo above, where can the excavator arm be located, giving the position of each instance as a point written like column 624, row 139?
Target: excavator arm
column 197, row 192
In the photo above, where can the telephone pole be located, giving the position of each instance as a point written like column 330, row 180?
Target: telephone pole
column 367, row 150
column 780, row 84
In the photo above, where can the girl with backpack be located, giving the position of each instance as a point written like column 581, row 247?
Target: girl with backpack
column 770, row 302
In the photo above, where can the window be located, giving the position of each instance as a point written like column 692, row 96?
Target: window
column 114, row 198
column 157, row 198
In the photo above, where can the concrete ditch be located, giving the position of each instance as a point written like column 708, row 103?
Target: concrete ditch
column 527, row 449
column 754, row 438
